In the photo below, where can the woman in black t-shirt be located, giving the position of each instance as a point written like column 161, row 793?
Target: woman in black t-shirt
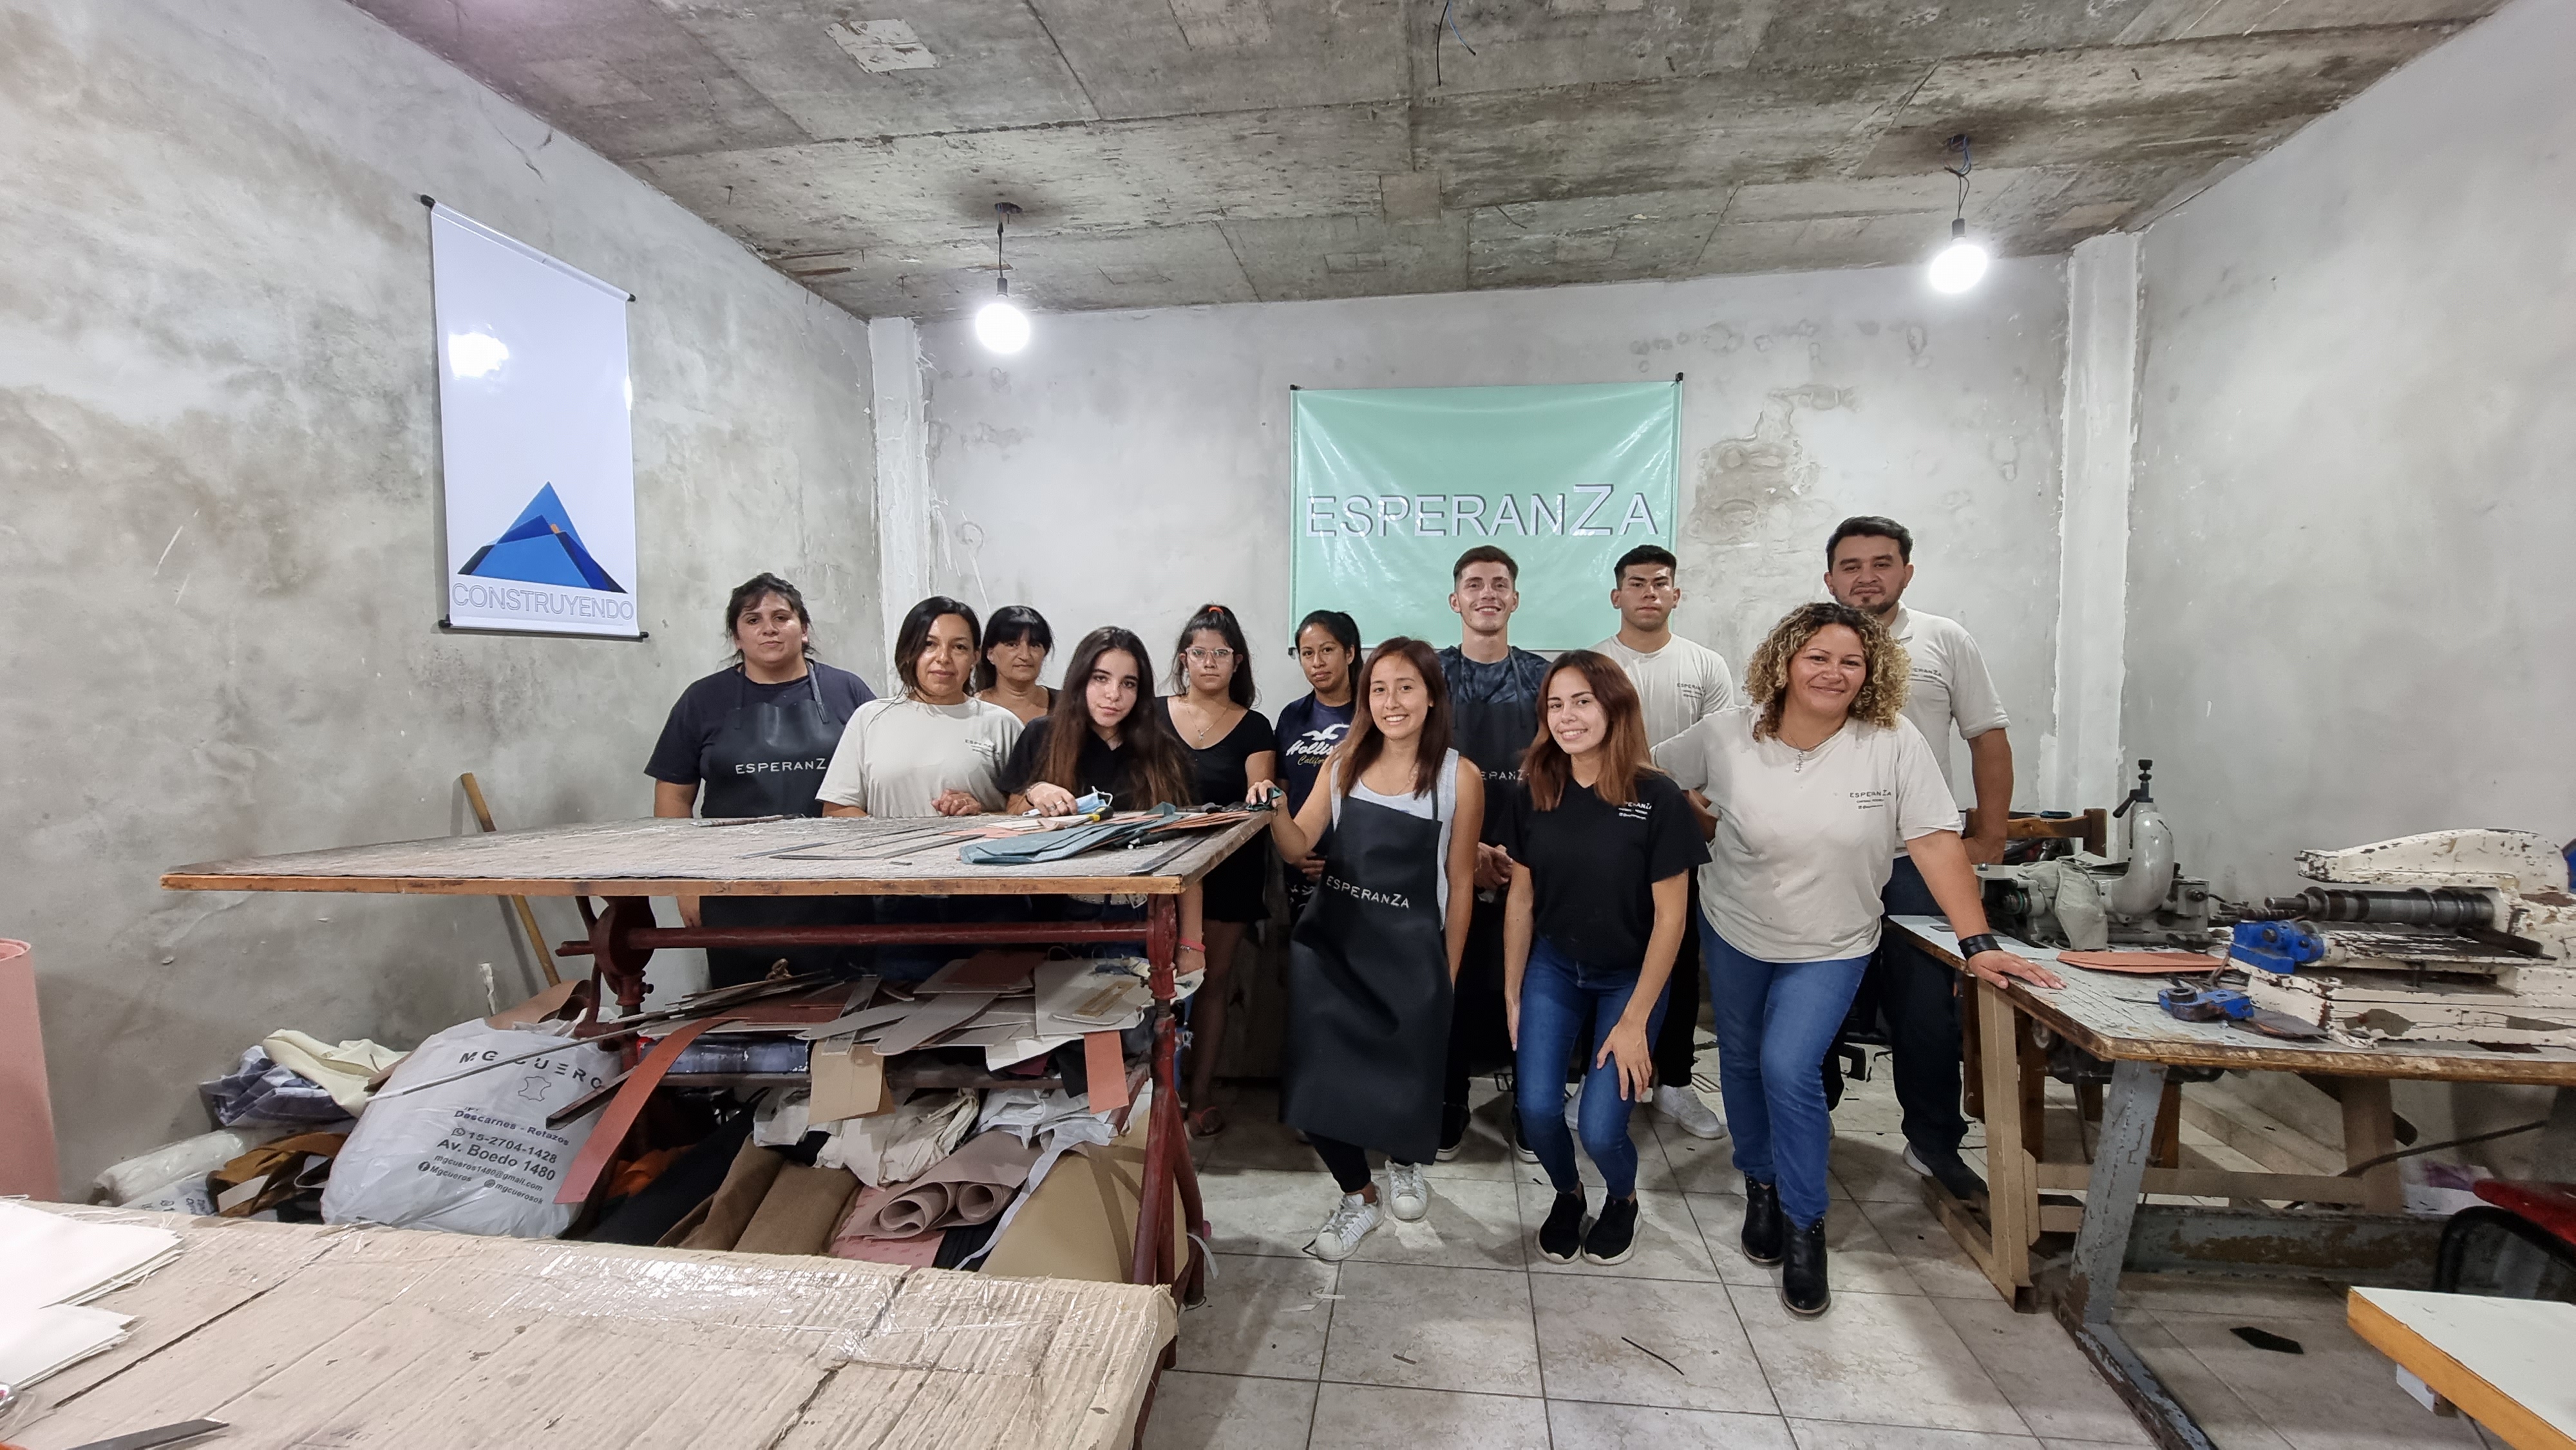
column 753, row 739
column 1231, row 745
column 1602, row 848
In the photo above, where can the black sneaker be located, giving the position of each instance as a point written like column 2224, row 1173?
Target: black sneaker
column 1520, row 1150
column 1561, row 1237
column 1453, row 1131
column 1614, row 1234
column 1949, row 1170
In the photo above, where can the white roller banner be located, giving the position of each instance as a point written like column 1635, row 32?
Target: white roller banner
column 534, row 413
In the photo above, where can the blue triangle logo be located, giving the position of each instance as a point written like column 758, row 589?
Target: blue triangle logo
column 542, row 547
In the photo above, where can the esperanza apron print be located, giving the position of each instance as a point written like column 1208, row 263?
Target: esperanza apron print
column 768, row 759
column 1368, row 988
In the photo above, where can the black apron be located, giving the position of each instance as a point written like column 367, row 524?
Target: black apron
column 1368, row 989
column 768, row 759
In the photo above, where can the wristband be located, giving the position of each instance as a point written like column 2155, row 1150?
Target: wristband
column 1192, row 946
column 1984, row 941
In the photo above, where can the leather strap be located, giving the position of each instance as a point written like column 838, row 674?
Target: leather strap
column 611, row 1130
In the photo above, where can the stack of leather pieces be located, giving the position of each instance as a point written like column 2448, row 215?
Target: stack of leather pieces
column 767, row 1204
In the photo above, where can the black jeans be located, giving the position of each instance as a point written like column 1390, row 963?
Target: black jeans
column 1480, row 1035
column 1918, row 996
column 1348, row 1161
column 1676, row 1050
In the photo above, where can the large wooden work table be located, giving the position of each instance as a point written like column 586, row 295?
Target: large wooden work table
column 620, row 865
column 2115, row 1017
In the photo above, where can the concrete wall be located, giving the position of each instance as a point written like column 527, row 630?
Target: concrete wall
column 2348, row 615
column 1130, row 466
column 218, row 449
column 2347, row 611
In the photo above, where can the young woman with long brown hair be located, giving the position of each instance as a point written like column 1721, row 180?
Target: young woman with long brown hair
column 1231, row 753
column 1105, row 733
column 1602, row 848
column 1373, row 960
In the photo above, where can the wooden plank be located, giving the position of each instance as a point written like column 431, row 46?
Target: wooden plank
column 2116, row 1017
column 2502, row 1361
column 672, row 857
column 2217, row 1183
column 2012, row 1200
column 2370, row 1131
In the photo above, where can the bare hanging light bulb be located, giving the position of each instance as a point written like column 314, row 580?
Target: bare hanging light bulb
column 1958, row 266
column 1000, row 324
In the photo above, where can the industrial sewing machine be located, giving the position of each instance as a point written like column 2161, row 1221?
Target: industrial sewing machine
column 2455, row 936
column 2090, row 902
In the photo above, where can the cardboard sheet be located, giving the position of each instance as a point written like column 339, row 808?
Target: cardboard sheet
column 366, row 1336
column 1081, row 1222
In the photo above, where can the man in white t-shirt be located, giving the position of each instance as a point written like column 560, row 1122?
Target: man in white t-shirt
column 1678, row 682
column 1868, row 563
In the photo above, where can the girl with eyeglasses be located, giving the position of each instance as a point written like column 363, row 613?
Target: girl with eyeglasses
column 1232, row 750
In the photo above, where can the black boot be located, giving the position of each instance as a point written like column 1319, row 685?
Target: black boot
column 1802, row 1276
column 1762, row 1226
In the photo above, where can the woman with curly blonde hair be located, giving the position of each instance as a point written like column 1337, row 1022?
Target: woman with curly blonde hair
column 1815, row 782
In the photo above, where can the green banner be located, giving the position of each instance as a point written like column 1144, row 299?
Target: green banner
column 1390, row 485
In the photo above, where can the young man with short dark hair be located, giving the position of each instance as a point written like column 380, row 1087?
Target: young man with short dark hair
column 1677, row 681
column 1869, row 561
column 1494, row 692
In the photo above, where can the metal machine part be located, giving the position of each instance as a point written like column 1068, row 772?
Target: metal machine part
column 2446, row 906
column 2463, row 936
column 2090, row 903
column 2141, row 888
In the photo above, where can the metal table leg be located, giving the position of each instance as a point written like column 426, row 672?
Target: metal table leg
column 2093, row 1289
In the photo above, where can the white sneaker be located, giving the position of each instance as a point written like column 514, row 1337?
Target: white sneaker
column 1407, row 1196
column 1689, row 1112
column 1348, row 1223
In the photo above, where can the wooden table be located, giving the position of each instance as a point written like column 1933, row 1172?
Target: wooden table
column 625, row 863
column 301, row 1335
column 2115, row 1017
column 2503, row 1362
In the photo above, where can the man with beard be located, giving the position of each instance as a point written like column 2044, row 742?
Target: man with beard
column 1868, row 563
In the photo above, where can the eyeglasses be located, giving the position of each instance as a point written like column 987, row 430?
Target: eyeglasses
column 1200, row 655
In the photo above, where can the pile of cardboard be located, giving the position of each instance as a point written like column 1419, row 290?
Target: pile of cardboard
column 301, row 1335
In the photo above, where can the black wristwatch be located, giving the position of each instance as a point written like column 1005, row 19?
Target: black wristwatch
column 1984, row 941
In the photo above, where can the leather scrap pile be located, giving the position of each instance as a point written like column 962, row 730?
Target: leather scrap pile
column 797, row 1116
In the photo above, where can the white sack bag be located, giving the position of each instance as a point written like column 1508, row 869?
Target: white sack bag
column 473, row 1155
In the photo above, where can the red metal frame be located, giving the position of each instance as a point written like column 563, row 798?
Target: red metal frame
column 623, row 939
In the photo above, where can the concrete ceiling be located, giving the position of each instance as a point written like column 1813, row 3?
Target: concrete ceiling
column 1171, row 152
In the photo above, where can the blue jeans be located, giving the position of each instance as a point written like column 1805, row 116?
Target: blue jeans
column 1774, row 1022
column 1565, row 1005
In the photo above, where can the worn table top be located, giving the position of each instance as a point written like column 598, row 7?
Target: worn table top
column 2115, row 1016
column 305, row 1335
column 818, row 856
column 2504, row 1361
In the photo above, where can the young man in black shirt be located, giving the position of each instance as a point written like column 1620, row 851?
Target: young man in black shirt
column 1493, row 696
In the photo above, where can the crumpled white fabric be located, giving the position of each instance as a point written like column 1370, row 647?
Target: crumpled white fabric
column 1025, row 1111
column 342, row 1069
column 780, row 1120
column 900, row 1146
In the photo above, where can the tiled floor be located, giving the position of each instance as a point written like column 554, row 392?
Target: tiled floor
column 1453, row 1332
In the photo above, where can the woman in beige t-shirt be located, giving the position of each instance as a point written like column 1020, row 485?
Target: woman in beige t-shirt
column 1815, row 782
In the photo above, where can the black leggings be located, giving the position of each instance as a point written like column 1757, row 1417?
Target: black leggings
column 1349, row 1161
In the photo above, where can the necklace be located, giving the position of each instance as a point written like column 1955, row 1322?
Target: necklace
column 1799, row 766
column 1198, row 738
